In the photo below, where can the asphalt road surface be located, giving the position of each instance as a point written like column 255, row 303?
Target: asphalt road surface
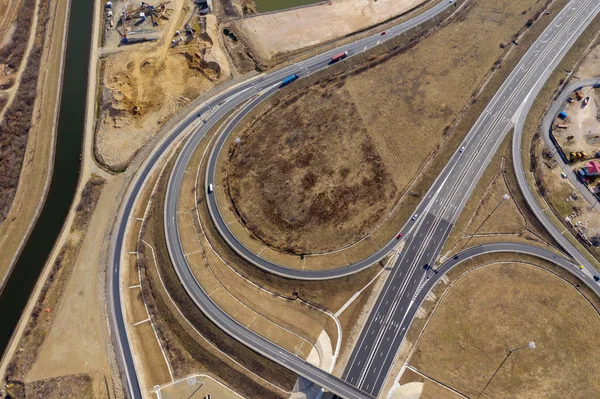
column 383, row 333
column 206, row 115
column 220, row 105
column 256, row 94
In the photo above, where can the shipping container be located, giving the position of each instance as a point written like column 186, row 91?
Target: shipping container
column 339, row 56
column 289, row 79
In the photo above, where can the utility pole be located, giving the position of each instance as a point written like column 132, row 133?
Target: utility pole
column 530, row 345
column 239, row 143
column 504, row 198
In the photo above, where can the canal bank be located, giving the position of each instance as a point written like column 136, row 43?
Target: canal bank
column 64, row 181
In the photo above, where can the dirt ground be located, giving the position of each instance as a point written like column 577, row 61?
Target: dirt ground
column 197, row 386
column 589, row 67
column 504, row 306
column 488, row 216
column 583, row 132
column 402, row 143
column 145, row 84
column 566, row 201
column 310, row 26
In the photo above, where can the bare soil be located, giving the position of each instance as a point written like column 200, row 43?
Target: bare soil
column 589, row 66
column 144, row 86
column 583, row 132
column 500, row 307
column 275, row 34
column 197, row 386
column 438, row 81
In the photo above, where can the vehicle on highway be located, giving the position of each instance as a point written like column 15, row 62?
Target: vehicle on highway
column 399, row 236
column 383, row 33
column 462, row 149
column 289, row 79
column 580, row 267
column 339, row 56
column 451, row 1
column 596, row 278
column 415, row 216
column 210, row 188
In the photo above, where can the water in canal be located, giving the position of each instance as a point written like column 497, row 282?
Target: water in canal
column 66, row 171
column 274, row 5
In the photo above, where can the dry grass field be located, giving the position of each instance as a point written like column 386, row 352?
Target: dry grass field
column 488, row 217
column 503, row 306
column 333, row 201
column 375, row 106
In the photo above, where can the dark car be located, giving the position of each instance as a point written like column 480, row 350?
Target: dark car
column 383, row 33
column 596, row 278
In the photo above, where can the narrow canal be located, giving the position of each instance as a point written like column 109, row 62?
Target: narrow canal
column 65, row 175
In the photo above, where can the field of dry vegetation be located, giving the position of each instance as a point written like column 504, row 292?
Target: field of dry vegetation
column 50, row 297
column 477, row 323
column 15, row 125
column 399, row 108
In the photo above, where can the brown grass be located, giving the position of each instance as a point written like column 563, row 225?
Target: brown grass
column 49, row 299
column 499, row 307
column 512, row 221
column 12, row 53
column 312, row 200
column 70, row 386
column 15, row 126
column 438, row 80
column 188, row 351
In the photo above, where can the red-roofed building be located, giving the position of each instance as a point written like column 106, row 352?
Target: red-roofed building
column 592, row 169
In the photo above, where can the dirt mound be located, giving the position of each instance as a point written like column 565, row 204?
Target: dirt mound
column 313, row 181
column 142, row 90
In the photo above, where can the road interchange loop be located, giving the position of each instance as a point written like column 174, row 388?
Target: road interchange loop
column 216, row 110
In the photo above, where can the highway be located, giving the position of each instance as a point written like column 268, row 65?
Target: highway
column 265, row 88
column 385, row 329
column 208, row 114
column 370, row 362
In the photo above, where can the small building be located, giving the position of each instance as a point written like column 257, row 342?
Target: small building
column 592, row 169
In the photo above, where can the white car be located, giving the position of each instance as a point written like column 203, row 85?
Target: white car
column 415, row 216
column 462, row 149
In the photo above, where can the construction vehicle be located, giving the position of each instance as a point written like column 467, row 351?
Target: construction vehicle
column 578, row 95
column 562, row 126
column 586, row 101
column 577, row 156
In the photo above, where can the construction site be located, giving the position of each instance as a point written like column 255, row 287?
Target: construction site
column 155, row 59
column 576, row 131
